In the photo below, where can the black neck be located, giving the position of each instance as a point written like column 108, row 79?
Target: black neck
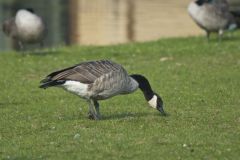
column 30, row 10
column 200, row 2
column 144, row 86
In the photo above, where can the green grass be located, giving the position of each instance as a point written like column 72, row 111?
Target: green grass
column 198, row 81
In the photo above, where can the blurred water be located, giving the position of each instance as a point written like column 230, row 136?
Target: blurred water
column 101, row 22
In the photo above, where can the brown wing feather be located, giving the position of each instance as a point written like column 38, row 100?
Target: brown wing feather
column 86, row 72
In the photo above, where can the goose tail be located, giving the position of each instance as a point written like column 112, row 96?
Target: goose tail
column 47, row 82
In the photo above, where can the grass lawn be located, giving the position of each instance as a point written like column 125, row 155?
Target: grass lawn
column 198, row 81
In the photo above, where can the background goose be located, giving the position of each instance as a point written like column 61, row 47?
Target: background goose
column 25, row 27
column 212, row 16
column 99, row 80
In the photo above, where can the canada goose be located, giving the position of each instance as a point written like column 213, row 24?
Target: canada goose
column 99, row 80
column 25, row 27
column 212, row 16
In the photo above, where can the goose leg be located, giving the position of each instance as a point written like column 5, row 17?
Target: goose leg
column 92, row 114
column 208, row 35
column 96, row 104
column 41, row 44
column 220, row 34
column 20, row 45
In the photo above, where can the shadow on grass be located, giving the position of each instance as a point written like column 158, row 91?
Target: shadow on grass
column 126, row 116
column 111, row 116
column 13, row 157
column 7, row 104
column 43, row 52
column 114, row 116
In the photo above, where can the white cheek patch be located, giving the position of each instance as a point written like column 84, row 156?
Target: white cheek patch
column 153, row 102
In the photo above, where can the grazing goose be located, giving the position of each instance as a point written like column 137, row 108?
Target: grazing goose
column 99, row 80
column 25, row 27
column 212, row 16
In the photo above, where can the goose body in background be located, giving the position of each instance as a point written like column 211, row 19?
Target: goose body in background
column 212, row 16
column 100, row 80
column 25, row 27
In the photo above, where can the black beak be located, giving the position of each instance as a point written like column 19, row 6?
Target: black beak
column 160, row 109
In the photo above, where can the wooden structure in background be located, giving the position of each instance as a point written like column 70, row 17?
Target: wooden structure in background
column 74, row 27
column 101, row 22
column 104, row 22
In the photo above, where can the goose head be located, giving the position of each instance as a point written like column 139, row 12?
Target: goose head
column 8, row 26
column 5, row 27
column 153, row 99
column 30, row 10
column 157, row 103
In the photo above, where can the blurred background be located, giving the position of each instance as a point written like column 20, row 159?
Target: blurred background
column 104, row 22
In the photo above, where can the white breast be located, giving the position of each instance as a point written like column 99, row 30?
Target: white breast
column 193, row 9
column 29, row 25
column 198, row 13
column 77, row 88
column 206, row 17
